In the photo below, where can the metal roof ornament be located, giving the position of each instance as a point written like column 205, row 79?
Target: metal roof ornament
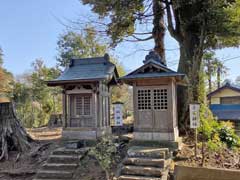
column 153, row 56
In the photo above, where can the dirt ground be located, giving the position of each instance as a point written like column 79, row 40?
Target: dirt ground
column 25, row 166
column 225, row 158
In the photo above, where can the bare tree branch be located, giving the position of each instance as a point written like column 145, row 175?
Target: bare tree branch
column 171, row 28
column 143, row 33
column 142, row 39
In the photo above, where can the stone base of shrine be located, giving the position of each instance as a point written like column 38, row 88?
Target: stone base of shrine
column 85, row 133
column 156, row 136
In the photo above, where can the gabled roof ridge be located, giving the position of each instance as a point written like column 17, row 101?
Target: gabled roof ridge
column 227, row 85
column 90, row 60
column 151, row 62
column 86, row 58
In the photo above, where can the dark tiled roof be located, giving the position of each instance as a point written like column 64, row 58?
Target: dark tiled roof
column 88, row 69
column 226, row 86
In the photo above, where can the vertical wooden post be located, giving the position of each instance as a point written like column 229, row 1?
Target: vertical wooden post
column 196, row 142
column 65, row 109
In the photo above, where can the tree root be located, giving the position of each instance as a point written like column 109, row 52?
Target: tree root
column 12, row 133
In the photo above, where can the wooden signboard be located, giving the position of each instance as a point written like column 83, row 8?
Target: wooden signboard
column 194, row 115
column 118, row 114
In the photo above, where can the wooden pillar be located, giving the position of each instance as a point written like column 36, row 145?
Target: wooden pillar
column 95, row 105
column 100, row 105
column 68, row 110
column 64, row 99
column 108, row 109
column 135, row 117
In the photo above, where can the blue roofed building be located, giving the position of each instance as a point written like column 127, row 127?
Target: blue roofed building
column 225, row 104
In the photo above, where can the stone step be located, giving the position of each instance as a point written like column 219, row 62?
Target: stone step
column 131, row 177
column 148, row 152
column 48, row 179
column 145, row 162
column 63, row 159
column 47, row 174
column 57, row 166
column 64, row 151
column 141, row 171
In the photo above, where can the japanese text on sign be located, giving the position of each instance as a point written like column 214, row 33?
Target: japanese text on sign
column 118, row 114
column 194, row 115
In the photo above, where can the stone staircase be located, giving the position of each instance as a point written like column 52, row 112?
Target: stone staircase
column 61, row 164
column 145, row 163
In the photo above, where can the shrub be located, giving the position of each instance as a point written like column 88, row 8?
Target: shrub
column 106, row 154
column 216, row 134
column 227, row 135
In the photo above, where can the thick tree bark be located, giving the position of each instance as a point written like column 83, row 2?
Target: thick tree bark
column 12, row 133
column 158, row 31
column 189, row 64
column 190, row 35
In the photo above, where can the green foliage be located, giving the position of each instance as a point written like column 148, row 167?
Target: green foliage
column 106, row 153
column 216, row 134
column 79, row 45
column 209, row 125
column 219, row 18
column 121, row 15
column 1, row 57
column 201, row 87
column 35, row 101
column 228, row 136
column 6, row 79
column 212, row 66
column 121, row 92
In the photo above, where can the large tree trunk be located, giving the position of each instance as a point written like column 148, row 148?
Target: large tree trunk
column 189, row 64
column 12, row 134
column 190, row 35
column 158, row 31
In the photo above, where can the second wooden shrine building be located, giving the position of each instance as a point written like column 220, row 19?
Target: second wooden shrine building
column 154, row 99
column 86, row 97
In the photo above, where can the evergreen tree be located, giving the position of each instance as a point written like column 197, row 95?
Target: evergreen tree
column 79, row 45
column 213, row 67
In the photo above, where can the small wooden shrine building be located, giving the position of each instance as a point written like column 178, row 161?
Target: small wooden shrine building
column 155, row 100
column 86, row 97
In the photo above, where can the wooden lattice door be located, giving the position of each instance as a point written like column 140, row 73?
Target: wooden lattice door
column 160, row 108
column 152, row 107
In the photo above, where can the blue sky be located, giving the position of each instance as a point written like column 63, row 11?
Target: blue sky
column 30, row 29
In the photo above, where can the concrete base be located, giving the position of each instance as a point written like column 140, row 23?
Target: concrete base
column 154, row 136
column 204, row 173
column 85, row 133
column 172, row 145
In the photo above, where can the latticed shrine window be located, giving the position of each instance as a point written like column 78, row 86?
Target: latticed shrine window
column 160, row 99
column 87, row 105
column 82, row 105
column 156, row 99
column 78, row 105
column 144, row 99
